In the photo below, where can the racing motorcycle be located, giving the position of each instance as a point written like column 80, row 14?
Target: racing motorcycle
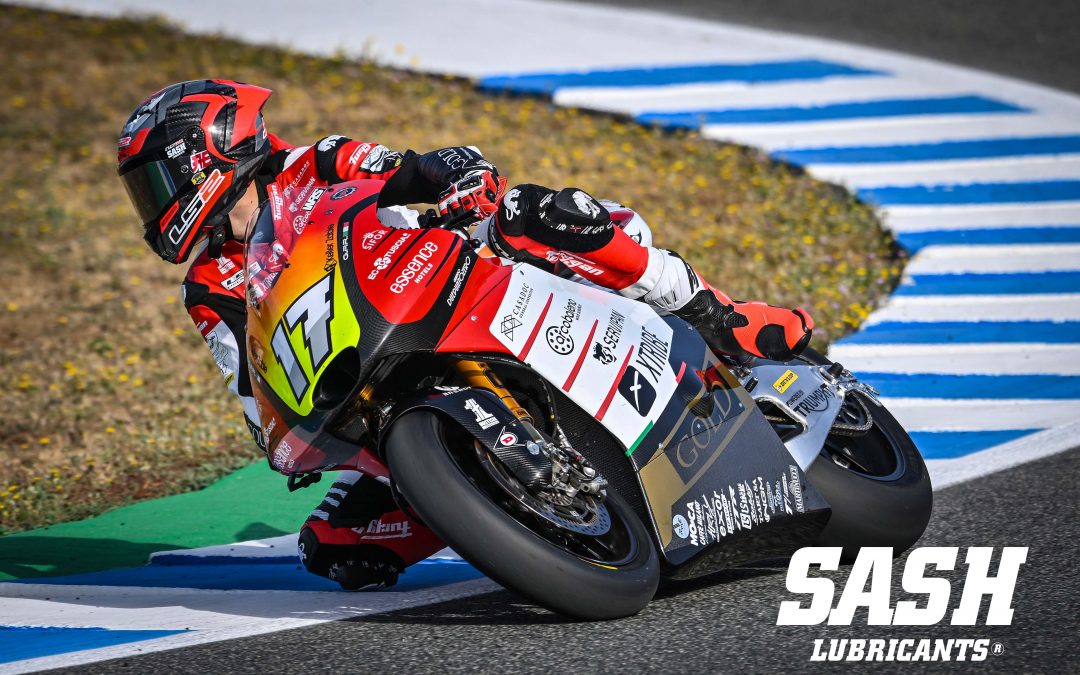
column 572, row 444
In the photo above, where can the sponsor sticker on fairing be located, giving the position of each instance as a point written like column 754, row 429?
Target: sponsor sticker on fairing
column 485, row 419
column 738, row 506
column 458, row 279
column 585, row 340
column 343, row 193
column 784, row 381
column 925, row 600
column 370, row 240
column 417, row 269
column 559, row 337
column 345, row 242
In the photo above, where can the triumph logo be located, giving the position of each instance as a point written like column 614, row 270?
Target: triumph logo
column 816, row 401
column 869, row 585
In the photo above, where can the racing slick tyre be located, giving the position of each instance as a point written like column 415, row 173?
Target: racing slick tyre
column 440, row 472
column 876, row 481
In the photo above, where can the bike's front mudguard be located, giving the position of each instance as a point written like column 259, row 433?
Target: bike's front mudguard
column 484, row 417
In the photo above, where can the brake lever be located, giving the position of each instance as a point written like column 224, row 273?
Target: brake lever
column 459, row 224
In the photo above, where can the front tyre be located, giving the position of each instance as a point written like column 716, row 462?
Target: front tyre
column 876, row 481
column 439, row 473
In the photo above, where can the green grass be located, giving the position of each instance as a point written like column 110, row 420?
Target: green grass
column 110, row 396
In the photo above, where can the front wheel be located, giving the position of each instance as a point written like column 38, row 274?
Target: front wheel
column 876, row 481
column 586, row 570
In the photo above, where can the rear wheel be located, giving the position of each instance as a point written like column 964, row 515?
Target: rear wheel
column 585, row 559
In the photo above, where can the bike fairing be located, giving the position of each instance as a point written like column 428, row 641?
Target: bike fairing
column 435, row 314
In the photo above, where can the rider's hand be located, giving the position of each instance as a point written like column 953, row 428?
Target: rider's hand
column 476, row 194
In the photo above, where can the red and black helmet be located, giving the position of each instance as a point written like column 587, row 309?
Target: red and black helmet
column 187, row 154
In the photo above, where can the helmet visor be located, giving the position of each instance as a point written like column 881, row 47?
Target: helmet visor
column 151, row 188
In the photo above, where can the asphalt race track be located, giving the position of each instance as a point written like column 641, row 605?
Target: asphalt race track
column 724, row 621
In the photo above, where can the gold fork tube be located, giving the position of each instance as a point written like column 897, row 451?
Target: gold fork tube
column 480, row 375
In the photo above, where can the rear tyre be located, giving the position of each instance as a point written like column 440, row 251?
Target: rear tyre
column 876, row 483
column 440, row 476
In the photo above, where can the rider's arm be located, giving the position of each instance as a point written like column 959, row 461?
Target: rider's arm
column 221, row 320
column 422, row 178
column 410, row 178
column 339, row 159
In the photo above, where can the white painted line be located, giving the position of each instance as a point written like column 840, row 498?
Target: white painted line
column 1001, row 169
column 991, row 259
column 961, row 359
column 1035, row 307
column 283, row 546
column 969, row 217
column 947, row 472
column 680, row 98
column 212, row 615
column 891, row 130
column 930, row 414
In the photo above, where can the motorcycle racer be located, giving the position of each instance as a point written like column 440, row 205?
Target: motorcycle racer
column 197, row 161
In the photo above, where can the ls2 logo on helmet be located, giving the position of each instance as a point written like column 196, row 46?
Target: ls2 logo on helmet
column 194, row 209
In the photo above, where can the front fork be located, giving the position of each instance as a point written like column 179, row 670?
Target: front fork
column 571, row 471
column 479, row 374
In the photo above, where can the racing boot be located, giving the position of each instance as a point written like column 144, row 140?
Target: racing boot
column 670, row 284
column 359, row 538
column 748, row 328
column 339, row 557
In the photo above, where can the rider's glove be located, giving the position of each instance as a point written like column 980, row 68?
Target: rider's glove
column 474, row 196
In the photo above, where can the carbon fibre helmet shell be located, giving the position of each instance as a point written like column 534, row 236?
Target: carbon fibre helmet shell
column 186, row 154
